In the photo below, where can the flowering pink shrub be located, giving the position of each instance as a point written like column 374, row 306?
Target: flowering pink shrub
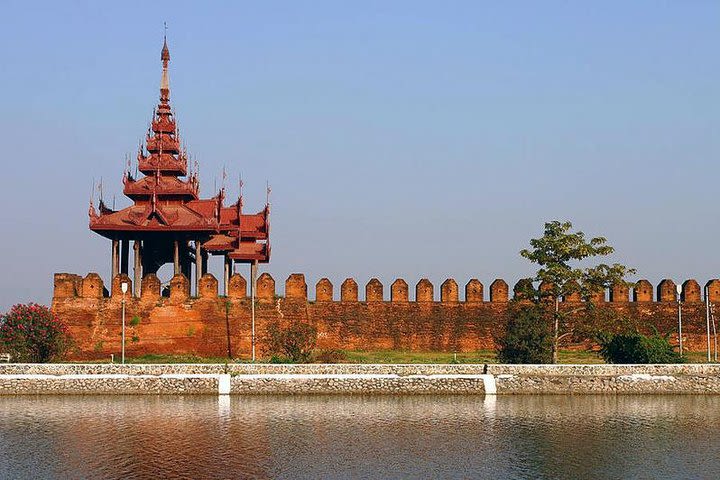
column 32, row 333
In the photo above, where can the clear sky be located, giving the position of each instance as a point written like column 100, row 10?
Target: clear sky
column 401, row 139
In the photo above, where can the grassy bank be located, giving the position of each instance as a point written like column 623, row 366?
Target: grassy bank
column 482, row 356
column 400, row 357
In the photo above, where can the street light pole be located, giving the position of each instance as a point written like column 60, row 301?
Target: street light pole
column 707, row 319
column 679, row 300
column 124, row 288
column 253, row 286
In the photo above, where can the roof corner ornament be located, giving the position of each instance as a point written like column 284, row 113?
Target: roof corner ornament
column 92, row 213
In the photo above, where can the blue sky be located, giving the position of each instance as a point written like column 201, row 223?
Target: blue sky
column 401, row 139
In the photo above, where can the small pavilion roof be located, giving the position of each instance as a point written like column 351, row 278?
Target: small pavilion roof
column 174, row 217
column 219, row 243
column 164, row 185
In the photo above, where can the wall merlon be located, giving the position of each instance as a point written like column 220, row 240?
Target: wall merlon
column 712, row 288
column 265, row 288
column 691, row 291
column 349, row 290
column 295, row 287
column 208, row 286
column 546, row 287
column 237, row 287
column 150, row 287
column 666, row 291
column 424, row 291
column 117, row 282
column 324, row 290
column 521, row 288
column 643, row 291
column 399, row 291
column 620, row 293
column 474, row 291
column 66, row 285
column 499, row 291
column 598, row 296
column 449, row 292
column 92, row 286
column 574, row 296
column 179, row 288
column 374, row 291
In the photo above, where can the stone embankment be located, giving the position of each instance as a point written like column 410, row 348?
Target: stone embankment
column 260, row 379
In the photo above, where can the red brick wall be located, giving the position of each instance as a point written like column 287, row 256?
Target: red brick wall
column 183, row 325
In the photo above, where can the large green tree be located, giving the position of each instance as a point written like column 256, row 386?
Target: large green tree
column 566, row 262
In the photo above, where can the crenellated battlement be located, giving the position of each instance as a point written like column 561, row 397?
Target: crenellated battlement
column 69, row 285
column 373, row 316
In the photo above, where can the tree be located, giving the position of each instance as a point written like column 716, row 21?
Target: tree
column 634, row 347
column 527, row 337
column 32, row 333
column 293, row 342
column 558, row 253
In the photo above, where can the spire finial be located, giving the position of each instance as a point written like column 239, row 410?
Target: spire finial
column 165, row 53
column 164, row 80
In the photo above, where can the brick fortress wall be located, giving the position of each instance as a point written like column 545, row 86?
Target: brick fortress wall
column 205, row 325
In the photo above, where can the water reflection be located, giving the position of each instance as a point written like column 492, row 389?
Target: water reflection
column 360, row 437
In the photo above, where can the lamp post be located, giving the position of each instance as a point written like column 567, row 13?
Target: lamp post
column 707, row 320
column 679, row 301
column 124, row 288
column 253, row 286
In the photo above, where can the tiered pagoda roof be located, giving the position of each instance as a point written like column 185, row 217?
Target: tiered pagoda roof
column 166, row 197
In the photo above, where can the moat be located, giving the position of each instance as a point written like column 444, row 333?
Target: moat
column 552, row 436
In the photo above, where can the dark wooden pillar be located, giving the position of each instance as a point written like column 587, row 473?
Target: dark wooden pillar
column 115, row 269
column 226, row 276
column 185, row 263
column 176, row 257
column 124, row 256
column 204, row 262
column 198, row 266
column 137, row 267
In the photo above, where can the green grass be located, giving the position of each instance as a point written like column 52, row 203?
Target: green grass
column 481, row 356
column 395, row 357
column 156, row 359
column 150, row 358
column 380, row 356
column 695, row 357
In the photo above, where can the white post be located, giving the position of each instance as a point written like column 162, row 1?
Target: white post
column 707, row 319
column 715, row 337
column 679, row 300
column 124, row 288
column 253, row 284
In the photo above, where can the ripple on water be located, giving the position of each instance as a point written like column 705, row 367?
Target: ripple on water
column 99, row 437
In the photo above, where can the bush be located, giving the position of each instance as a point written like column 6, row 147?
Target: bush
column 330, row 356
column 527, row 337
column 295, row 342
column 637, row 348
column 32, row 333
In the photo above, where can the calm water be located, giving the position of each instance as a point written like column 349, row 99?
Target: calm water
column 360, row 437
